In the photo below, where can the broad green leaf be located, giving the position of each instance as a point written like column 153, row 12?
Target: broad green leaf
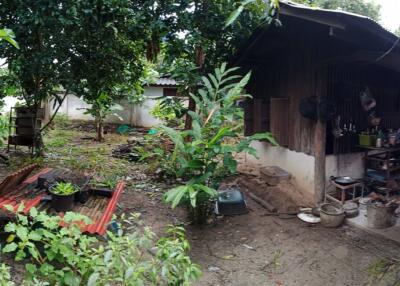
column 35, row 236
column 33, row 212
column 234, row 15
column 220, row 134
column 31, row 268
column 11, row 247
column 175, row 195
column 46, row 268
column 10, row 208
column 213, row 193
column 10, row 227
column 22, row 232
column 93, row 279
column 8, row 35
column 230, row 163
column 71, row 279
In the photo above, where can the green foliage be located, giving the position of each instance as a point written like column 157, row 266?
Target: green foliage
column 270, row 16
column 86, row 48
column 40, row 64
column 117, row 69
column 5, row 276
column 177, row 268
column 169, row 109
column 56, row 254
column 206, row 153
column 9, row 36
column 100, row 107
column 123, row 260
column 64, row 189
column 3, row 129
column 109, row 183
column 61, row 121
column 207, row 41
column 66, row 256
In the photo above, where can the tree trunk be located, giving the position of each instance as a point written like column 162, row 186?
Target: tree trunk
column 200, row 59
column 99, row 129
column 188, row 119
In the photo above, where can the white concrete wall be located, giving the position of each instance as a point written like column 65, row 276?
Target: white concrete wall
column 299, row 165
column 136, row 115
column 351, row 165
column 9, row 102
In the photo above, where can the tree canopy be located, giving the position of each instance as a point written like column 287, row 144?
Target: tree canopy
column 91, row 48
column 42, row 62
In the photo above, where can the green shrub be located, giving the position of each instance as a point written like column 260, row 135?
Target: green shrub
column 3, row 129
column 170, row 110
column 205, row 154
column 66, row 256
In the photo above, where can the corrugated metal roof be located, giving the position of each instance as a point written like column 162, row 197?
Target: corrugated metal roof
column 340, row 13
column 298, row 5
column 165, row 81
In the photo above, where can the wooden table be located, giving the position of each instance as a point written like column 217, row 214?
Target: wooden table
column 344, row 189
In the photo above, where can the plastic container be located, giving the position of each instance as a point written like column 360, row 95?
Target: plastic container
column 331, row 216
column 62, row 203
column 366, row 140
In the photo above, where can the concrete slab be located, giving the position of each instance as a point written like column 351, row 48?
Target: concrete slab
column 391, row 233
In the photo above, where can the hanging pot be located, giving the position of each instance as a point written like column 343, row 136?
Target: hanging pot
column 308, row 107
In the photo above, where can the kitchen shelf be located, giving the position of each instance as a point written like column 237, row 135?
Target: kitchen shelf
column 379, row 161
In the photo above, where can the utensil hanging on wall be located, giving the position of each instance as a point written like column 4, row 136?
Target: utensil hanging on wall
column 367, row 100
column 337, row 131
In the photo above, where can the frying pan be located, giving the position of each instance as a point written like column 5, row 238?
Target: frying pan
column 344, row 181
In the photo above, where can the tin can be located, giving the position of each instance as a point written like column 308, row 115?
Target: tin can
column 378, row 143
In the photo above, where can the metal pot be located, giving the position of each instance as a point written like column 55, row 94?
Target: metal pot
column 331, row 216
column 350, row 209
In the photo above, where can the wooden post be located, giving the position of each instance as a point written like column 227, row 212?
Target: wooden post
column 320, row 161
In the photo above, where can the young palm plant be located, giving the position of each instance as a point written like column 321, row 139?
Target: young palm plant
column 205, row 154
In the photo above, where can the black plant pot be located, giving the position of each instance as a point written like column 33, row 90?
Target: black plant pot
column 62, row 203
column 82, row 196
column 102, row 192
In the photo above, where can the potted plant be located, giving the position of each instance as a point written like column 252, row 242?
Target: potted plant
column 63, row 196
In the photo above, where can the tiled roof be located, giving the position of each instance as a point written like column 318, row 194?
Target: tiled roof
column 165, row 81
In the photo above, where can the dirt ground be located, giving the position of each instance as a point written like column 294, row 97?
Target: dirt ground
column 258, row 249
column 251, row 249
